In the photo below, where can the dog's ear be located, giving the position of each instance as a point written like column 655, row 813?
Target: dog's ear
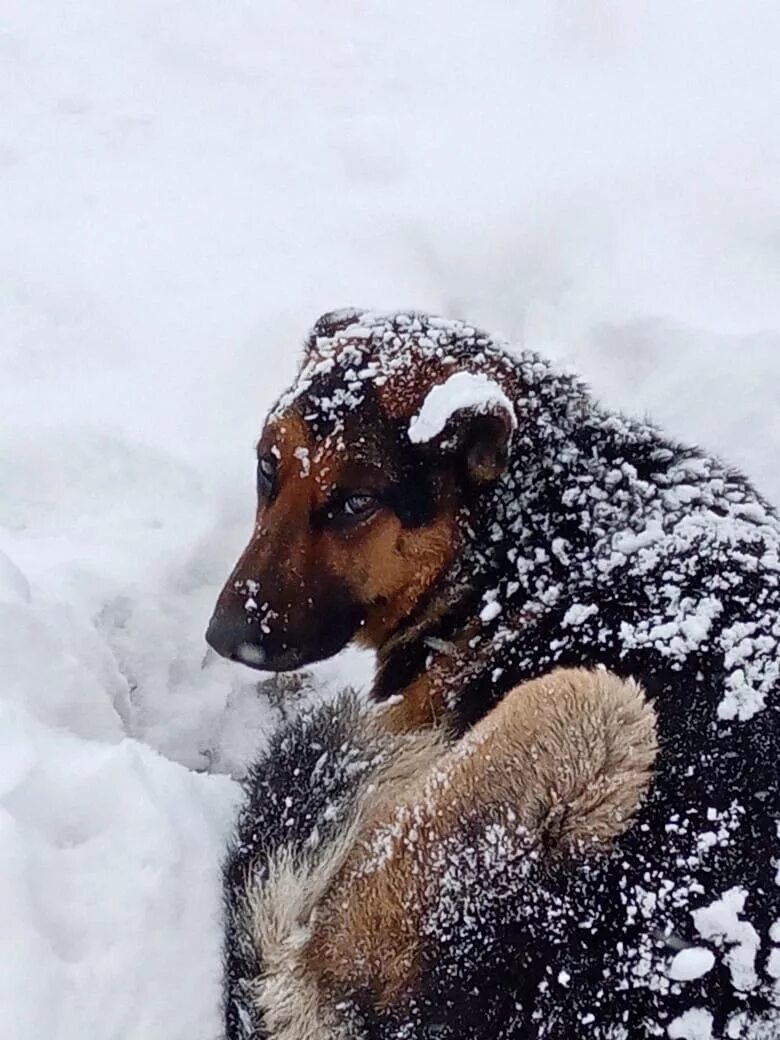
column 486, row 440
column 477, row 434
column 327, row 326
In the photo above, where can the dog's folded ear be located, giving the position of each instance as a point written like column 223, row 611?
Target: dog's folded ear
column 486, row 441
column 478, row 438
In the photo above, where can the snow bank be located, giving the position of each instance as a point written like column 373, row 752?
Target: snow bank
column 181, row 197
column 107, row 887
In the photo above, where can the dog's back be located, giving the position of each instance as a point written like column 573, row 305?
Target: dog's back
column 543, row 531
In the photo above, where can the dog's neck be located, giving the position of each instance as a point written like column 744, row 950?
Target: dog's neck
column 514, row 568
column 510, row 520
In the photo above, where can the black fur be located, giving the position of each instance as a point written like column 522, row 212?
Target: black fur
column 605, row 544
column 299, row 796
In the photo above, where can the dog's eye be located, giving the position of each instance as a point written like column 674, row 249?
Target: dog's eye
column 266, row 475
column 359, row 506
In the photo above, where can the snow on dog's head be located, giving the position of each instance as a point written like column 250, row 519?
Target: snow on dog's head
column 395, row 424
column 462, row 391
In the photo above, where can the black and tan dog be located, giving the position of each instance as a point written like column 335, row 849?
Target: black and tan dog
column 475, row 517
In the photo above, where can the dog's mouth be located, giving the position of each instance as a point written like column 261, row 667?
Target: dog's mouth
column 251, row 654
column 283, row 636
column 256, row 657
column 237, row 639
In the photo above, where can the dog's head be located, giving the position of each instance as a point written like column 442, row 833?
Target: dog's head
column 393, row 428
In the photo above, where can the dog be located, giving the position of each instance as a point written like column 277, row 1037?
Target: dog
column 475, row 517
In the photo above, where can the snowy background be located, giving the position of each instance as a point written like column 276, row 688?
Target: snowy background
column 183, row 188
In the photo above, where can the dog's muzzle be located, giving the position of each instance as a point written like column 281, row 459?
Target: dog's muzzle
column 237, row 640
column 232, row 639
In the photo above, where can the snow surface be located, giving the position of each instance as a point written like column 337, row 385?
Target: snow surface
column 182, row 192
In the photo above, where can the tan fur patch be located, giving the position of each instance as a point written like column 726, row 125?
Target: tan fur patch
column 281, row 915
column 423, row 701
column 570, row 754
column 277, row 916
column 422, row 704
column 391, row 568
column 283, row 438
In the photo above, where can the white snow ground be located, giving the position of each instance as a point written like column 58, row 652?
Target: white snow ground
column 183, row 188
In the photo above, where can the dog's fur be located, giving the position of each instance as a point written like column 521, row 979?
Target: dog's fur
column 559, row 765
column 338, row 925
column 531, row 531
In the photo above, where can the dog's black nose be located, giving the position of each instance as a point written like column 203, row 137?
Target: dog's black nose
column 222, row 636
column 233, row 639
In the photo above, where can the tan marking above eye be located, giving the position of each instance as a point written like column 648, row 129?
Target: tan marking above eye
column 388, row 567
